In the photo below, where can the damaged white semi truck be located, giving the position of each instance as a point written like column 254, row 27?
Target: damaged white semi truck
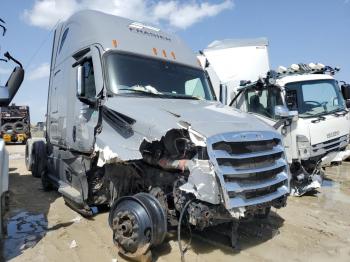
column 303, row 102
column 133, row 123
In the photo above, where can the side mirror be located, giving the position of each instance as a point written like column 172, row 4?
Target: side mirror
column 4, row 96
column 12, row 85
column 347, row 103
column 283, row 112
column 80, row 81
column 345, row 89
column 223, row 94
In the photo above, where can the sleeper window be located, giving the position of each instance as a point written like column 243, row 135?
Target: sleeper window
column 64, row 36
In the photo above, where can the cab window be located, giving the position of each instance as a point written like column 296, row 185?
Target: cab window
column 263, row 102
column 64, row 36
column 89, row 86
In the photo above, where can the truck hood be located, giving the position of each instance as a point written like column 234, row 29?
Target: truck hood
column 155, row 116
column 322, row 131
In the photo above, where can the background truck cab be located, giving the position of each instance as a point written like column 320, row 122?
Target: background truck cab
column 304, row 102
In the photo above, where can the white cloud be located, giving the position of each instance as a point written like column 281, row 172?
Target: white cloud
column 46, row 13
column 185, row 15
column 176, row 14
column 41, row 71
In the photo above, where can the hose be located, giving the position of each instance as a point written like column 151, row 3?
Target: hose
column 179, row 229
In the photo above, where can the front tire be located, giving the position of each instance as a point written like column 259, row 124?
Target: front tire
column 38, row 158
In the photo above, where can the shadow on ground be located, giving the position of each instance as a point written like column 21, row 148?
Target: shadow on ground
column 250, row 233
column 26, row 221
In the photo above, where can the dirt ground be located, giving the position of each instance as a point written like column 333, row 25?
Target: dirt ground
column 311, row 228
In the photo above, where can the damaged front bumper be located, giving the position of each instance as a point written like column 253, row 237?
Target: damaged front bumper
column 246, row 173
column 335, row 157
column 304, row 182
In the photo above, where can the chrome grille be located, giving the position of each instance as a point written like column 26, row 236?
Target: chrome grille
column 331, row 145
column 251, row 167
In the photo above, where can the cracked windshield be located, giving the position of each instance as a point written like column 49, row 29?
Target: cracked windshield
column 145, row 76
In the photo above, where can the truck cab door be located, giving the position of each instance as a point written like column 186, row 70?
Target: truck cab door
column 262, row 104
column 89, row 85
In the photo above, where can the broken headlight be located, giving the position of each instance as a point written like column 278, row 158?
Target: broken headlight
column 303, row 145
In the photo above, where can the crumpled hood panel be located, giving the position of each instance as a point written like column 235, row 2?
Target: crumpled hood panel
column 155, row 116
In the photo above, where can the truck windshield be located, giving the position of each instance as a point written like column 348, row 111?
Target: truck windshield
column 314, row 98
column 130, row 74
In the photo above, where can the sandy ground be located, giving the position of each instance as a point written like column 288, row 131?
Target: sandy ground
column 311, row 228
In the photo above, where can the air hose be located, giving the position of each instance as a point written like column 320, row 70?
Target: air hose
column 179, row 229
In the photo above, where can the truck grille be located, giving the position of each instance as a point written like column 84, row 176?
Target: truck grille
column 251, row 167
column 331, row 145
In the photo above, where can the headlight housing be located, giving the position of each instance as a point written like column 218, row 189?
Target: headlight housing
column 304, row 147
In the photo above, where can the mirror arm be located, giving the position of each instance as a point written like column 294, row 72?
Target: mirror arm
column 89, row 102
column 3, row 30
column 234, row 99
column 281, row 122
column 9, row 57
column 80, row 61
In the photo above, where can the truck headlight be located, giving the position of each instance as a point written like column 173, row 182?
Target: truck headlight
column 304, row 147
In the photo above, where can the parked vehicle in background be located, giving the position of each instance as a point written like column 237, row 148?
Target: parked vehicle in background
column 7, row 93
column 15, row 123
column 40, row 126
column 143, row 133
column 303, row 102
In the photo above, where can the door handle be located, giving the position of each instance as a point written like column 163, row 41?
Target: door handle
column 74, row 133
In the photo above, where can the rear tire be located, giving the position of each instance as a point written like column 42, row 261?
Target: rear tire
column 38, row 158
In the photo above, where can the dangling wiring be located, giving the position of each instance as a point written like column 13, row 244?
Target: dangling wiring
column 179, row 229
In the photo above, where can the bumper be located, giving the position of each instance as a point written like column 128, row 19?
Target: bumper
column 335, row 157
column 14, row 138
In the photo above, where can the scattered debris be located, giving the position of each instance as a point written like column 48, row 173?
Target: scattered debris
column 76, row 219
column 73, row 244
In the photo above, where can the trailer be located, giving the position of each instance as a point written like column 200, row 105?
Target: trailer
column 15, row 124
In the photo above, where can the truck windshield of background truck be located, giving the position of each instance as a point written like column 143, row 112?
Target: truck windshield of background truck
column 263, row 102
column 314, row 98
column 137, row 75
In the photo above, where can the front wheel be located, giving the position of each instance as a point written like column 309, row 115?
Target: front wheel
column 38, row 158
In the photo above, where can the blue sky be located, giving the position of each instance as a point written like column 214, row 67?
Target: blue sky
column 298, row 31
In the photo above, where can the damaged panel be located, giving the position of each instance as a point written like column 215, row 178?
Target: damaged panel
column 238, row 181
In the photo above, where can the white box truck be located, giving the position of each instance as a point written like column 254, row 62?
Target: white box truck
column 133, row 123
column 304, row 102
